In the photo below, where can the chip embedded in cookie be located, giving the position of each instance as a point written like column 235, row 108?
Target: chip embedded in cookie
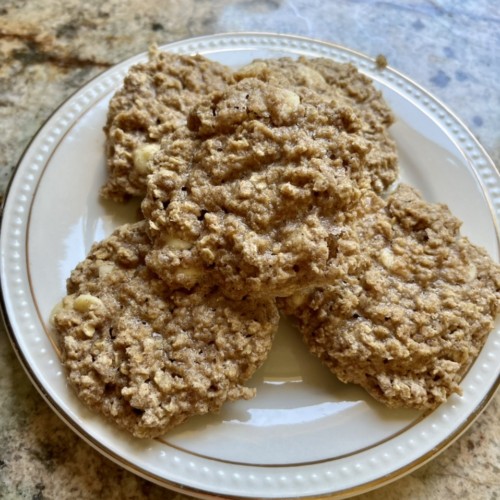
column 148, row 357
column 410, row 321
column 260, row 202
column 154, row 101
column 348, row 86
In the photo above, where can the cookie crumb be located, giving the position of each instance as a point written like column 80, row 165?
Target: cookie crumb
column 381, row 61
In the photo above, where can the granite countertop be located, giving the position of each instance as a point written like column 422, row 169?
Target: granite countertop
column 48, row 49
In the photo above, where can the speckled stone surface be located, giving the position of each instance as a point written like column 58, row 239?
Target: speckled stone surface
column 48, row 49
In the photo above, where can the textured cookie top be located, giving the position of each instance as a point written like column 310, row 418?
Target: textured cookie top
column 408, row 323
column 154, row 100
column 347, row 86
column 147, row 357
column 260, row 199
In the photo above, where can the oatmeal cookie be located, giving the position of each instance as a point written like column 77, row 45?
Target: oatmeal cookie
column 148, row 357
column 408, row 323
column 261, row 202
column 154, row 100
column 346, row 85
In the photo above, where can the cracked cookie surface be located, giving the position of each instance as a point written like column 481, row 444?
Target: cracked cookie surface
column 147, row 357
column 259, row 197
column 408, row 323
column 154, row 100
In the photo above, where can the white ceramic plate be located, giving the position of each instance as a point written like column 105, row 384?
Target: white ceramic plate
column 305, row 434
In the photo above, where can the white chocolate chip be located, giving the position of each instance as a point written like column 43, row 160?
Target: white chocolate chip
column 178, row 243
column 142, row 155
column 86, row 302
column 188, row 275
column 471, row 273
column 387, row 258
column 288, row 103
column 88, row 330
column 153, row 226
column 105, row 268
column 311, row 77
column 191, row 272
column 297, row 299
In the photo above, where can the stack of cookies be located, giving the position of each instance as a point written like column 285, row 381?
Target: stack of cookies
column 268, row 189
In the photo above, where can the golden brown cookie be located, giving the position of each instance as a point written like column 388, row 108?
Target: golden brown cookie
column 259, row 197
column 148, row 357
column 408, row 323
column 343, row 83
column 154, row 101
